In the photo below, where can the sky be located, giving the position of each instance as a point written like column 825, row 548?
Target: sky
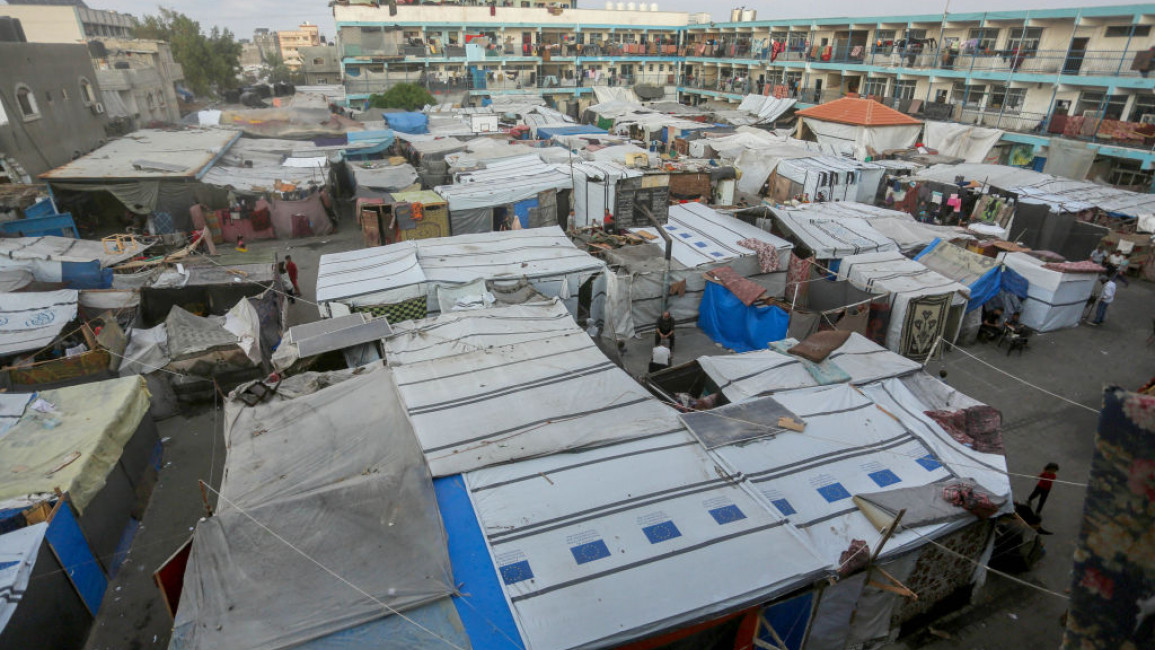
column 243, row 16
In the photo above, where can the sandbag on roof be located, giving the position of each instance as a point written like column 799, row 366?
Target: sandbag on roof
column 500, row 384
column 337, row 474
column 605, row 546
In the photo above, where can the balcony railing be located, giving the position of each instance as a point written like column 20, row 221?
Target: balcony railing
column 523, row 82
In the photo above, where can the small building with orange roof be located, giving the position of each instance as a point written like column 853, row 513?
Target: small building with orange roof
column 867, row 125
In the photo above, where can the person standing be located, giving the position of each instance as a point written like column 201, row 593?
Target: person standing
column 608, row 223
column 1099, row 255
column 1106, row 297
column 286, row 282
column 665, row 331
column 659, row 358
column 1043, row 487
column 291, row 269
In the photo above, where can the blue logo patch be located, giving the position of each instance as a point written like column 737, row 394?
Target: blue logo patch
column 833, row 492
column 727, row 514
column 8, row 565
column 661, row 532
column 784, row 507
column 929, row 462
column 884, row 477
column 516, row 572
column 590, row 551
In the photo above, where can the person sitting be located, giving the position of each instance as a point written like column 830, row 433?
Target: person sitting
column 608, row 223
column 1014, row 325
column 665, row 331
column 659, row 358
column 991, row 325
column 1099, row 255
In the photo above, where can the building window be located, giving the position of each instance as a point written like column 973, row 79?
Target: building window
column 1009, row 100
column 27, row 102
column 885, row 37
column 1144, row 105
column 983, row 39
column 87, row 92
column 1096, row 105
column 318, row 61
column 1025, row 39
column 874, row 87
column 970, row 95
column 905, row 89
column 1123, row 31
column 916, row 34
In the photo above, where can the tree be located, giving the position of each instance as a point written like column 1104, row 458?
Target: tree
column 405, row 96
column 211, row 63
column 276, row 71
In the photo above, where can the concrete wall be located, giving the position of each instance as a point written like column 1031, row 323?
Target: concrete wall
column 66, row 124
column 46, row 24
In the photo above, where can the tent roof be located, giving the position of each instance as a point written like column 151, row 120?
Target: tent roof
column 704, row 236
column 998, row 175
column 384, row 178
column 33, row 320
column 829, row 233
column 494, row 385
column 96, row 420
column 890, row 271
column 502, row 184
column 149, row 155
column 409, row 265
column 61, row 249
column 858, row 111
column 957, row 263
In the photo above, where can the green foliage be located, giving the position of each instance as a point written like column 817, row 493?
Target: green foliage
column 409, row 97
column 211, row 62
column 277, row 71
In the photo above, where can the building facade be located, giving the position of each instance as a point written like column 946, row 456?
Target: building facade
column 50, row 108
column 320, row 65
column 138, row 80
column 291, row 41
column 1078, row 73
column 68, row 23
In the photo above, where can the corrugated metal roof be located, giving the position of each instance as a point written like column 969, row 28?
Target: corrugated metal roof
column 149, row 155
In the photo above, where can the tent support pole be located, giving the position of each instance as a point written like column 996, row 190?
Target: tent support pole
column 669, row 253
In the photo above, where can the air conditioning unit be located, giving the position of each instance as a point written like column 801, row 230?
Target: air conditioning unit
column 1147, row 118
column 98, row 108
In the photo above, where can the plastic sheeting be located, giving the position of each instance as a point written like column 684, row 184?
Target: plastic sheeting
column 966, row 141
column 190, row 335
column 385, row 179
column 724, row 318
column 75, row 446
column 337, row 474
column 704, row 237
column 983, row 275
column 601, row 547
column 495, row 385
column 407, row 122
column 595, row 189
column 868, row 141
column 31, row 321
column 831, row 237
column 18, row 552
column 147, row 351
column 1054, row 300
column 504, row 190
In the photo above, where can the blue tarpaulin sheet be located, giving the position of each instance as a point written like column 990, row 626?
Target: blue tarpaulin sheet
column 999, row 278
column 742, row 329
column 382, row 139
column 85, row 275
column 76, row 557
column 481, row 604
column 550, row 132
column 407, row 122
column 522, row 208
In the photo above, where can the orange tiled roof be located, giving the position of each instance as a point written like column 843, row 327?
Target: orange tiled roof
column 854, row 110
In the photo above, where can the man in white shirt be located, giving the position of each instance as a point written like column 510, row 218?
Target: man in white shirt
column 1106, row 297
column 660, row 358
column 1099, row 255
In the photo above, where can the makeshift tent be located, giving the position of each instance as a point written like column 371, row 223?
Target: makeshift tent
column 474, row 380
column 595, row 189
column 31, row 321
column 835, row 178
column 869, row 126
column 407, row 122
column 260, row 165
column 909, row 233
column 983, row 275
column 967, row 141
column 401, row 280
column 78, row 263
column 428, row 155
column 828, row 235
column 326, row 471
column 521, row 190
column 764, row 372
column 553, row 131
column 382, row 177
column 924, row 305
column 610, row 549
column 1055, row 298
column 702, row 239
column 819, row 302
column 756, row 109
column 739, row 327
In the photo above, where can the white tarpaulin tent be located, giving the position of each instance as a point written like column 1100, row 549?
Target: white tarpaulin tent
column 751, row 374
column 44, row 256
column 595, row 189
column 855, row 443
column 504, row 183
column 1054, row 299
column 490, row 386
column 337, row 475
column 32, row 321
column 967, row 141
column 836, row 178
column 388, row 275
column 912, row 332
column 18, row 552
column 756, row 109
column 606, row 546
column 830, row 236
column 903, row 229
column 703, row 239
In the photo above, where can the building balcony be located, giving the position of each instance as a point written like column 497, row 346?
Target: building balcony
column 523, row 82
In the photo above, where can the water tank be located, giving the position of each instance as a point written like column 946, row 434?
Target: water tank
column 748, row 15
column 631, row 6
column 735, row 15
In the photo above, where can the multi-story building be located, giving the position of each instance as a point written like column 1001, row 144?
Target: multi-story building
column 50, row 107
column 143, row 77
column 1076, row 73
column 292, row 40
column 320, row 65
column 266, row 42
column 72, row 23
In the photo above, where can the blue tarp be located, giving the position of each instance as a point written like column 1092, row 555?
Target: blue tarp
column 999, row 278
column 383, row 138
column 742, row 329
column 85, row 275
column 550, row 132
column 407, row 122
column 481, row 603
column 72, row 549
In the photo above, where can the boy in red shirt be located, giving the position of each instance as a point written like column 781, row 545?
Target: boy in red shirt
column 1043, row 487
column 292, row 270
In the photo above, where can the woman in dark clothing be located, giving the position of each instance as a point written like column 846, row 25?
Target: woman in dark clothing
column 665, row 330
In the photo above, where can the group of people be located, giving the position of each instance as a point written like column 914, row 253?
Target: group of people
column 995, row 326
column 1116, row 263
